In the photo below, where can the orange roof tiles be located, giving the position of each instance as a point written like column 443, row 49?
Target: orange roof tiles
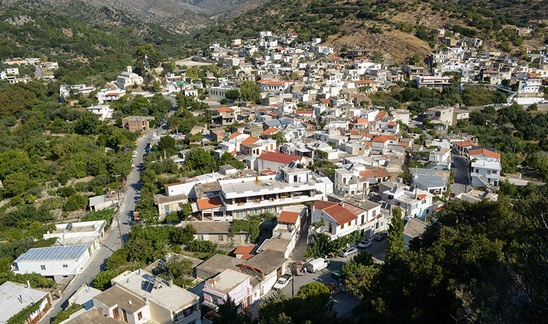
column 325, row 100
column 279, row 157
column 340, row 214
column 304, row 112
column 209, row 203
column 225, row 109
column 381, row 114
column 247, row 256
column 392, row 124
column 384, row 138
column 365, row 82
column 249, row 140
column 270, row 131
column 465, row 144
column 288, row 217
column 243, row 249
column 234, row 135
column 421, row 197
column 484, row 151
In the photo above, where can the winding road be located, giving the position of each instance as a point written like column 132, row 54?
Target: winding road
column 113, row 241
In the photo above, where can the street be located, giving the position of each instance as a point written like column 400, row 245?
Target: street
column 113, row 241
column 461, row 174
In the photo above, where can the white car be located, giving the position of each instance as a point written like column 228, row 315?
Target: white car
column 348, row 251
column 364, row 244
column 283, row 281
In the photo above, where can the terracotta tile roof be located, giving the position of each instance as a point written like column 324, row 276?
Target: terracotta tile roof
column 209, row 203
column 340, row 214
column 247, row 256
column 288, row 217
column 381, row 114
column 275, row 105
column 402, row 144
column 249, row 140
column 325, row 100
column 380, row 173
column 243, row 249
column 269, row 82
column 234, row 135
column 465, row 144
column 225, row 109
column 365, row 82
column 270, row 131
column 362, row 121
column 304, row 112
column 233, row 153
column 279, row 157
column 384, row 138
column 484, row 151
column 354, row 132
column 273, row 114
column 369, row 143
column 268, row 172
column 367, row 135
column 392, row 124
column 421, row 197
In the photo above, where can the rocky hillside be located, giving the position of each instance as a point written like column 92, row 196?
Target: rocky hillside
column 401, row 28
column 182, row 16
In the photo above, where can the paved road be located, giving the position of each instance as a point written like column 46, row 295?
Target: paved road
column 38, row 71
column 113, row 241
column 461, row 174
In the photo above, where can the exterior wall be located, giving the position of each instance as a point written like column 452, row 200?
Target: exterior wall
column 160, row 314
column 224, row 238
column 242, row 295
column 336, row 229
column 53, row 268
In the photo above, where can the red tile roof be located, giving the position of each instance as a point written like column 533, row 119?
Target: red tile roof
column 209, row 203
column 421, row 197
column 384, row 138
column 234, row 135
column 381, row 114
column 304, row 112
column 225, row 109
column 365, row 82
column 392, row 124
column 279, row 157
column 484, row 151
column 466, row 144
column 340, row 214
column 249, row 140
column 247, row 256
column 362, row 121
column 288, row 217
column 244, row 249
column 270, row 131
column 269, row 82
column 325, row 100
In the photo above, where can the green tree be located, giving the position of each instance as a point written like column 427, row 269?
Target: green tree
column 395, row 241
column 183, row 235
column 250, row 91
column 87, row 124
column 102, row 280
column 232, row 94
column 229, row 314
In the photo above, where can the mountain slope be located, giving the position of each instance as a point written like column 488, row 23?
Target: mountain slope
column 182, row 16
column 400, row 28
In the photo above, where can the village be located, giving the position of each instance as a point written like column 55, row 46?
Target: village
column 320, row 159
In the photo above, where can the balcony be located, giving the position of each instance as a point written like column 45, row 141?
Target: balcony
column 282, row 200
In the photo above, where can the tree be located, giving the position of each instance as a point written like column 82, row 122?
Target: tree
column 224, row 101
column 395, row 242
column 416, row 58
column 200, row 161
column 166, row 144
column 250, row 91
column 183, row 235
column 87, row 124
column 232, row 94
column 102, row 280
column 229, row 314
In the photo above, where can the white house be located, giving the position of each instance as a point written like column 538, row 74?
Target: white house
column 102, row 111
column 128, row 78
column 56, row 262
column 79, row 233
column 413, row 201
column 440, row 155
column 485, row 168
column 15, row 297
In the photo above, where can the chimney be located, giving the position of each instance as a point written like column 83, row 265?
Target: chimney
column 28, row 284
column 342, row 204
column 170, row 283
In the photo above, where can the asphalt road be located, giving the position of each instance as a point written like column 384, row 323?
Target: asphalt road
column 461, row 174
column 38, row 71
column 113, row 241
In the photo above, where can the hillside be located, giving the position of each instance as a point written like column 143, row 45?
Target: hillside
column 400, row 28
column 182, row 16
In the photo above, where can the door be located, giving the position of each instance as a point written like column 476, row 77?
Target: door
column 330, row 228
column 125, row 315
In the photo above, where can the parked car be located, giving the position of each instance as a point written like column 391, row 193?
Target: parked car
column 348, row 251
column 365, row 244
column 380, row 236
column 283, row 281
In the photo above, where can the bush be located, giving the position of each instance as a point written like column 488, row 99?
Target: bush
column 102, row 280
column 201, row 246
column 76, row 202
column 64, row 315
column 80, row 186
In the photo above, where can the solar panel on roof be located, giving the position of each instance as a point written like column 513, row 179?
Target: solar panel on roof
column 54, row 253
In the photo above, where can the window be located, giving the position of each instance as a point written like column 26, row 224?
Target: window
column 65, row 265
column 42, row 267
column 116, row 313
column 140, row 315
column 342, row 226
column 363, row 219
column 374, row 213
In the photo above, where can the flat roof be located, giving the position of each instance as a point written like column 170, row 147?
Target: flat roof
column 93, row 316
column 171, row 297
column 10, row 304
column 259, row 185
column 118, row 296
column 227, row 280
column 54, row 253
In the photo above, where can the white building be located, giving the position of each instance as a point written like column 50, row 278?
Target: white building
column 56, row 262
column 413, row 201
column 485, row 168
column 102, row 111
column 15, row 297
column 79, row 233
column 167, row 302
column 128, row 78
